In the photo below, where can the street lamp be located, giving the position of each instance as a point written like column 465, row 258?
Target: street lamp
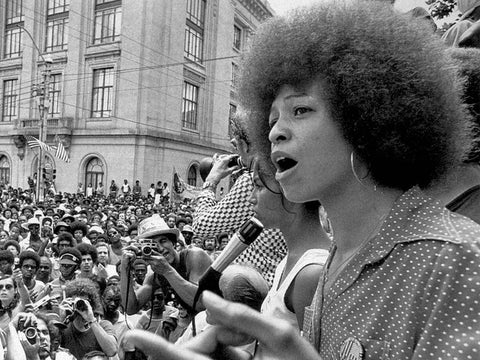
column 43, row 107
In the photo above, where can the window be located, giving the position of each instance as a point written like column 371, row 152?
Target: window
column 189, row 106
column 9, row 100
column 55, row 90
column 237, row 37
column 235, row 72
column 192, row 175
column 231, row 113
column 108, row 21
column 57, row 25
column 13, row 29
column 4, row 170
column 194, row 30
column 102, row 99
column 94, row 172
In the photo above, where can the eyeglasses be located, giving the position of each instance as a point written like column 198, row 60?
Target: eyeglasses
column 6, row 287
column 113, row 233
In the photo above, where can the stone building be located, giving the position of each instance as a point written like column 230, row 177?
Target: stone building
column 136, row 87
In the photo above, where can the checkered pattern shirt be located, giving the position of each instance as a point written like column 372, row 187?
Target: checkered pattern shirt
column 212, row 217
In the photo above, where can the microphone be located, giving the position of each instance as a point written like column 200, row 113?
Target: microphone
column 247, row 234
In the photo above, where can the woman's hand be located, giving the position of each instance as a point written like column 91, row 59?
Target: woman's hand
column 235, row 322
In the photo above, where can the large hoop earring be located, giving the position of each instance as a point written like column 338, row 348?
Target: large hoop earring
column 352, row 166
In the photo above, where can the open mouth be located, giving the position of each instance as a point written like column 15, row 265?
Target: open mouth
column 283, row 163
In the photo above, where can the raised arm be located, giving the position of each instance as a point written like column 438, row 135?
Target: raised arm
column 212, row 217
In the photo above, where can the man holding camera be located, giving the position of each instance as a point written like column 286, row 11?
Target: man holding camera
column 83, row 331
column 29, row 338
column 178, row 271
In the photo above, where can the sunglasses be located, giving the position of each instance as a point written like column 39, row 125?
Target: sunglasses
column 7, row 287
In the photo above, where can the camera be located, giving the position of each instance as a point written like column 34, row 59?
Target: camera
column 30, row 332
column 80, row 305
column 206, row 165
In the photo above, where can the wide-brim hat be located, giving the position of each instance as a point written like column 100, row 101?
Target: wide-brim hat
column 155, row 225
column 466, row 7
column 30, row 222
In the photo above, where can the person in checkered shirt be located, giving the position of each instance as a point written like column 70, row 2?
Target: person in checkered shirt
column 212, row 217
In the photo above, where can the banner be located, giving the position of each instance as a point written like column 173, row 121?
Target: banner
column 181, row 190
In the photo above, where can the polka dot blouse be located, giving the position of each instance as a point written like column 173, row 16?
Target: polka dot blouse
column 412, row 292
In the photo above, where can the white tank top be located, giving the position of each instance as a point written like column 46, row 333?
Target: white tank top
column 274, row 303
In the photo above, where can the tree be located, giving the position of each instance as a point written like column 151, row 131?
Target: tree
column 440, row 9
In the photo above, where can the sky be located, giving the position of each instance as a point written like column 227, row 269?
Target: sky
column 282, row 6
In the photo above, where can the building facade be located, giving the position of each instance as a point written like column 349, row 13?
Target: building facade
column 132, row 89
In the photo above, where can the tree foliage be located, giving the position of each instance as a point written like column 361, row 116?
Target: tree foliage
column 440, row 9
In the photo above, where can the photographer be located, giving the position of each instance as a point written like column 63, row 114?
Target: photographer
column 180, row 271
column 84, row 332
column 29, row 338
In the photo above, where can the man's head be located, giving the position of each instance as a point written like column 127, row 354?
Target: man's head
column 6, row 262
column 243, row 284
column 103, row 253
column 45, row 269
column 44, row 336
column 89, row 257
column 84, row 289
column 32, row 225
column 171, row 219
column 61, row 227
column 157, row 231
column 64, row 240
column 222, row 240
column 29, row 263
column 140, row 270
column 187, row 233
column 115, row 234
column 209, row 243
column 70, row 260
column 111, row 299
column 13, row 247
column 158, row 305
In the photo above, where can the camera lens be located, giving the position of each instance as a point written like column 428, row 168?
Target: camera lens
column 80, row 305
column 31, row 334
column 147, row 250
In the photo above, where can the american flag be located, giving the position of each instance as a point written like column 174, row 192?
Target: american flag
column 59, row 150
column 61, row 153
column 34, row 143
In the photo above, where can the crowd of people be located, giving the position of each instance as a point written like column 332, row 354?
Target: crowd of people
column 70, row 247
column 359, row 135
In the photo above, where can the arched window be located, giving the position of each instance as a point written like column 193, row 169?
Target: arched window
column 192, row 175
column 4, row 170
column 94, row 172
